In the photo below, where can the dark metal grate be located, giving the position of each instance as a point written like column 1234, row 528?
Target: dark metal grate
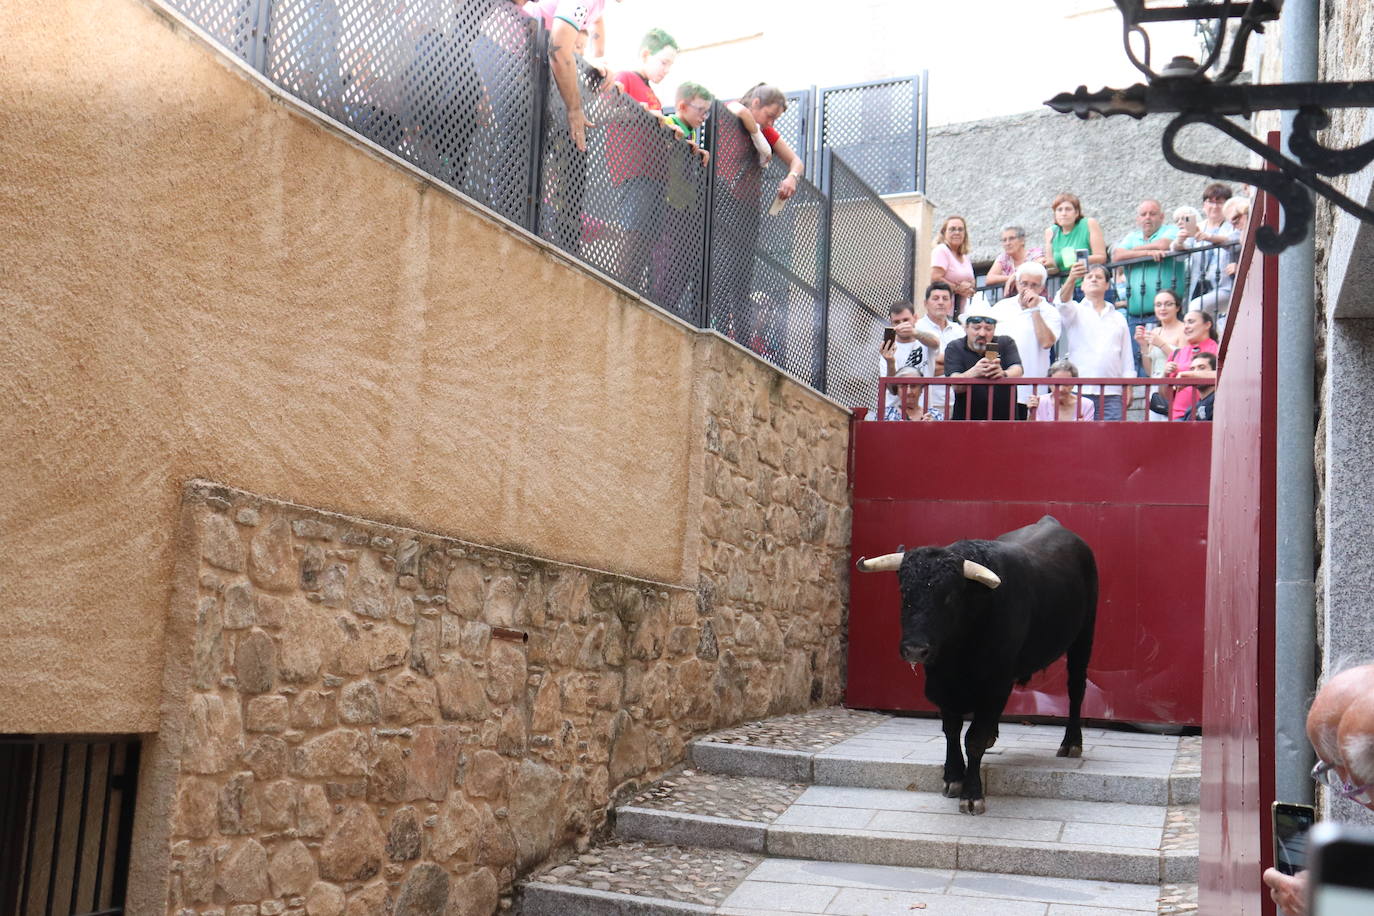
column 633, row 205
column 875, row 126
column 66, row 823
column 871, row 267
column 767, row 271
column 795, row 124
column 443, row 83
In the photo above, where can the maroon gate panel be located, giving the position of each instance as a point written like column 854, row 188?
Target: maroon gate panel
column 1136, row 492
column 1238, row 690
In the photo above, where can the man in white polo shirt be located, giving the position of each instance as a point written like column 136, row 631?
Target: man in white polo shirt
column 1097, row 340
column 1033, row 323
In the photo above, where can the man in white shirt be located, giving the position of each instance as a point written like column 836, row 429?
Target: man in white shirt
column 902, row 351
column 934, row 330
column 1098, row 340
column 1033, row 323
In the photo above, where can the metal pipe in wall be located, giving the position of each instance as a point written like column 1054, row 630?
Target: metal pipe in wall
column 1295, row 631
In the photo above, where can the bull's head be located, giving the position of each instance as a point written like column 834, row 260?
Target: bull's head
column 933, row 582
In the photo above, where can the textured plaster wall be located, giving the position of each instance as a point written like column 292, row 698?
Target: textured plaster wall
column 1005, row 171
column 200, row 281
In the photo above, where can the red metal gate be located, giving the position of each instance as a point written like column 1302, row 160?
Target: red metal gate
column 1136, row 492
column 1238, row 693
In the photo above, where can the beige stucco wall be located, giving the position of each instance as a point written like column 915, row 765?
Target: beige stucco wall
column 202, row 281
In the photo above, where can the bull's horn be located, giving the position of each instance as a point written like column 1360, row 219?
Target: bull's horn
column 979, row 573
column 886, row 563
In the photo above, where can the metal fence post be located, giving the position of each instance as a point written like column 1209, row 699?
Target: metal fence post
column 261, row 33
column 828, row 206
column 708, row 143
column 539, row 89
column 921, row 131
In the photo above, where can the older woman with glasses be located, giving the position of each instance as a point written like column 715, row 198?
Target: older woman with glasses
column 950, row 263
column 1340, row 726
column 1014, row 254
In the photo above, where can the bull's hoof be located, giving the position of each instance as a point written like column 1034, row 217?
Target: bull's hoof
column 973, row 806
column 1075, row 750
column 952, row 789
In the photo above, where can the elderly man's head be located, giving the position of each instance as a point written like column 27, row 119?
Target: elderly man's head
column 1149, row 216
column 1340, row 726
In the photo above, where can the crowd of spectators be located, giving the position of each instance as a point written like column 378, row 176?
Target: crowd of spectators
column 1145, row 307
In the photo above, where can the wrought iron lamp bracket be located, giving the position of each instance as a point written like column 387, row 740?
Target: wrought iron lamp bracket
column 1196, row 100
column 1183, row 89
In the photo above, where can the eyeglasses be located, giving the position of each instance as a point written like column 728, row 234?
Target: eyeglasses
column 1326, row 774
column 701, row 107
column 977, row 321
column 1214, row 200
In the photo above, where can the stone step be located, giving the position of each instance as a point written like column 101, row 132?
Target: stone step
column 908, row 753
column 765, row 886
column 1031, row 836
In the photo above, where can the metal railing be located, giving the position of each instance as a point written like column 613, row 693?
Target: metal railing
column 1200, row 276
column 66, row 824
column 463, row 90
column 957, row 398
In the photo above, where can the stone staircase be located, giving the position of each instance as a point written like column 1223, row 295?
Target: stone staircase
column 836, row 811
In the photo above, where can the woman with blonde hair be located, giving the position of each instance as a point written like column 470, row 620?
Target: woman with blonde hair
column 950, row 263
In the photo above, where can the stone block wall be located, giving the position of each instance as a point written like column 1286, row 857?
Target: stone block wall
column 362, row 718
column 775, row 523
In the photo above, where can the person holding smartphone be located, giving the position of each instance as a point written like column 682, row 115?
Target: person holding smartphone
column 900, row 346
column 982, row 354
column 1340, row 725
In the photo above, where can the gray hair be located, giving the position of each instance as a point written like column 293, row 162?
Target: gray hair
column 1020, row 233
column 1186, row 210
column 1035, row 268
column 1062, row 365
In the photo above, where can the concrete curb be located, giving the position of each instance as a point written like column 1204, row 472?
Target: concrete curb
column 540, row 899
column 747, row 760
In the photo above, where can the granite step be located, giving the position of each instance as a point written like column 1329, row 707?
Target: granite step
column 1054, row 838
column 902, row 753
column 812, row 886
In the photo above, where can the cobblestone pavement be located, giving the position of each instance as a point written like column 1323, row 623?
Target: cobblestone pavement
column 687, row 875
column 1181, row 830
column 744, row 798
column 808, row 731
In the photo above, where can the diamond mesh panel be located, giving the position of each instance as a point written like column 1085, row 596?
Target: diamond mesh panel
column 230, row 22
column 871, row 267
column 633, row 205
column 766, row 270
column 443, row 83
column 874, row 126
column 794, row 125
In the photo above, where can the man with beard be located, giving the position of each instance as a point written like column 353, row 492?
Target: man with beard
column 971, row 358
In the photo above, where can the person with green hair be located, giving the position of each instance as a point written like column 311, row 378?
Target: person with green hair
column 657, row 52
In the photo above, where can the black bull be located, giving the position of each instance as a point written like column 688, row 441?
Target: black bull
column 984, row 615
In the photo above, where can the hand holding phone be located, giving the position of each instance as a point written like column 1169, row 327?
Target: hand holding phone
column 1291, row 823
column 889, row 336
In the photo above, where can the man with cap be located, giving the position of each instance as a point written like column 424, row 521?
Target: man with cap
column 972, row 358
column 1340, row 726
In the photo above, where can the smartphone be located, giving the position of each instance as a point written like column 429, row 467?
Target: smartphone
column 1341, row 881
column 1082, row 256
column 991, row 351
column 889, row 335
column 1291, row 823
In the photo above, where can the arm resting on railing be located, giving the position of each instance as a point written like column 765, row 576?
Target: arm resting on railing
column 563, row 59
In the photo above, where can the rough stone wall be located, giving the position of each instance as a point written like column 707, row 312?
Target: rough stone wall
column 775, row 521
column 362, row 718
column 1005, row 171
column 1345, row 372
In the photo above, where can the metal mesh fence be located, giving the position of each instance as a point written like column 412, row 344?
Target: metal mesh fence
column 633, row 205
column 875, row 126
column 446, row 84
column 767, row 269
column 871, row 267
column 237, row 24
column 462, row 89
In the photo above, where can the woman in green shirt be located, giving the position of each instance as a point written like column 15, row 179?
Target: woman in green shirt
column 1071, row 232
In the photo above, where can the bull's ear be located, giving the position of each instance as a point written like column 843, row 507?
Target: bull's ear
column 886, row 563
column 980, row 573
